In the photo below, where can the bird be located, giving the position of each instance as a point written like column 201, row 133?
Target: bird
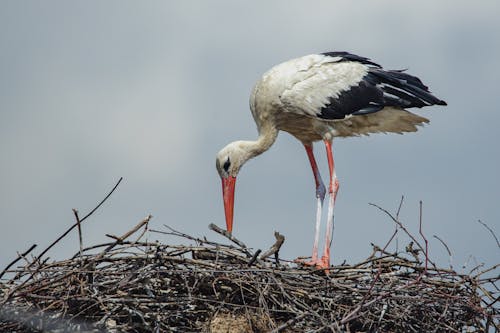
column 319, row 97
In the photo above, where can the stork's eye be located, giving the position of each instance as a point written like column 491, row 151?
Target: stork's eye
column 226, row 165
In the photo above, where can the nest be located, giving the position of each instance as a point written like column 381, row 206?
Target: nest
column 139, row 286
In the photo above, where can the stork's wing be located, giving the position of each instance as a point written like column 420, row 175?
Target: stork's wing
column 341, row 84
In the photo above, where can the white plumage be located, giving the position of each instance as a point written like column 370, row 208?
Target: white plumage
column 304, row 85
column 319, row 97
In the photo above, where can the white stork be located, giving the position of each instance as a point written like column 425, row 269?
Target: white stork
column 320, row 97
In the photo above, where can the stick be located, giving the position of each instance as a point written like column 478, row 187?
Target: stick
column 37, row 259
column 396, row 220
column 276, row 246
column 399, row 207
column 447, row 249
column 120, row 239
column 425, row 239
column 75, row 212
column 76, row 224
column 490, row 230
column 19, row 256
column 227, row 234
column 254, row 257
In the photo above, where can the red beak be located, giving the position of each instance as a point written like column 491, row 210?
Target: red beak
column 228, row 184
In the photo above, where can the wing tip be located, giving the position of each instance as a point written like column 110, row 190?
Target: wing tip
column 347, row 56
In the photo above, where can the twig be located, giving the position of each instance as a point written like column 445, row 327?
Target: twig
column 19, row 256
column 425, row 239
column 399, row 207
column 78, row 223
column 126, row 235
column 254, row 257
column 492, row 268
column 37, row 259
column 176, row 233
column 97, row 257
column 203, row 241
column 229, row 236
column 447, row 249
column 395, row 220
column 75, row 212
column 274, row 249
column 491, row 231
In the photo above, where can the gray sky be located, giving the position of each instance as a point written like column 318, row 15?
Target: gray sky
column 91, row 91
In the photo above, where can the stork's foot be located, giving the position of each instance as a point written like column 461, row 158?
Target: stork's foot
column 323, row 263
column 303, row 261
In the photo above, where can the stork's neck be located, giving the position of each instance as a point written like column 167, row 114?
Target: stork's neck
column 267, row 136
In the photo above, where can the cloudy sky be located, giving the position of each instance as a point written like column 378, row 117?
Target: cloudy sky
column 91, row 91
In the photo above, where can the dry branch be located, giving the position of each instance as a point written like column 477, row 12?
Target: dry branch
column 275, row 248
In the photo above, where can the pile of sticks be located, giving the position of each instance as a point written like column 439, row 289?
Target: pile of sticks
column 136, row 286
column 133, row 285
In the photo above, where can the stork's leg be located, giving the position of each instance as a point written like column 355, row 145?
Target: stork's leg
column 320, row 195
column 332, row 191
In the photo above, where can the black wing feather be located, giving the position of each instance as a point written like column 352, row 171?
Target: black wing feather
column 346, row 56
column 408, row 83
column 364, row 98
column 377, row 89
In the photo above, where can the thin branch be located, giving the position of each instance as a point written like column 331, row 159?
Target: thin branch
column 254, row 257
column 126, row 235
column 275, row 248
column 447, row 249
column 395, row 220
column 229, row 236
column 491, row 231
column 486, row 271
column 399, row 207
column 176, row 233
column 423, row 236
column 78, row 222
column 38, row 258
column 19, row 256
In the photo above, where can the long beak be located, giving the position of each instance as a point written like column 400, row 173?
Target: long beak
column 228, row 195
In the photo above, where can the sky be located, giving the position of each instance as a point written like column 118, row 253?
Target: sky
column 91, row 91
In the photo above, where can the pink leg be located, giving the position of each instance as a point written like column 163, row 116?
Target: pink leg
column 320, row 195
column 332, row 190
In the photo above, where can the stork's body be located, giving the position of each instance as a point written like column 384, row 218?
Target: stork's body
column 320, row 97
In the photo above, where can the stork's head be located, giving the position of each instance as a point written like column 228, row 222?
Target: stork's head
column 228, row 162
